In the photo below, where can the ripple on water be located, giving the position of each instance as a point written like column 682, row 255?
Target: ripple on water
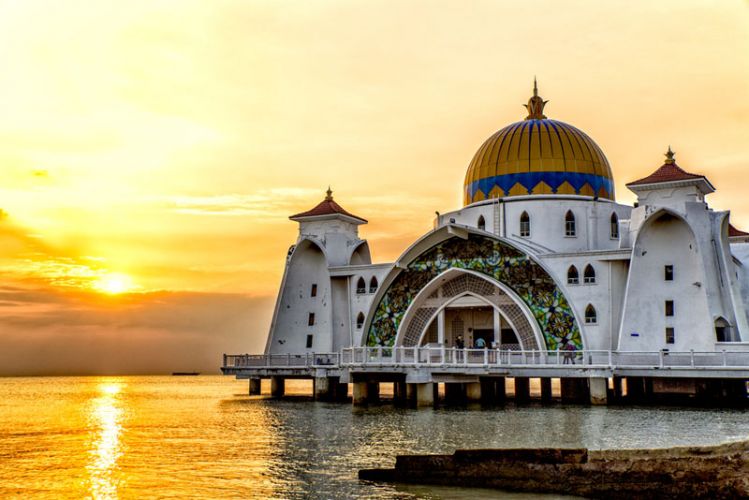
column 111, row 437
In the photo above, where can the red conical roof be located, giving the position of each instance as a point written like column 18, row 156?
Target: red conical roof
column 668, row 172
column 327, row 207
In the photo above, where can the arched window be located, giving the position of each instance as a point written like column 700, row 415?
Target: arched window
column 359, row 320
column 361, row 286
column 590, row 315
column 589, row 275
column 482, row 223
column 614, row 226
column 573, row 278
column 722, row 330
column 569, row 224
column 525, row 225
column 373, row 285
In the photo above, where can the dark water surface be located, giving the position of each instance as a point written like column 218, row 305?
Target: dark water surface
column 178, row 437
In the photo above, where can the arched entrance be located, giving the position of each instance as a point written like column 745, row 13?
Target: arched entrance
column 513, row 271
column 466, row 305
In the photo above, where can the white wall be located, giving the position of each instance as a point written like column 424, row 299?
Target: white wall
column 547, row 215
column 307, row 266
column 666, row 240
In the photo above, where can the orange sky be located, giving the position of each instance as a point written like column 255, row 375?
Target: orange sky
column 157, row 147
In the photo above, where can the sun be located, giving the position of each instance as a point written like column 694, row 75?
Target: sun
column 114, row 283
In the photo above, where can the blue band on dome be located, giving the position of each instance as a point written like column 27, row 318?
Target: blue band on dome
column 529, row 180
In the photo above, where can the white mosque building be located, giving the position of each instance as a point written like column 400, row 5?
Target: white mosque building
column 540, row 258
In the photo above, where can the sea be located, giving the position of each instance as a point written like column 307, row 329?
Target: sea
column 205, row 437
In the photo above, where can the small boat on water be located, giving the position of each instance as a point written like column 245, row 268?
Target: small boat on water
column 185, row 374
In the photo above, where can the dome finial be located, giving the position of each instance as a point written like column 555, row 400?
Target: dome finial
column 535, row 104
column 329, row 194
column 670, row 156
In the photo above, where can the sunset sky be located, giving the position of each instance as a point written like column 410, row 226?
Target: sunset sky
column 152, row 151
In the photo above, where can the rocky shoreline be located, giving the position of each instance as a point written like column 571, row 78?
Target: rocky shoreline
column 715, row 472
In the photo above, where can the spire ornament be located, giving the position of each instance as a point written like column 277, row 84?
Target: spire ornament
column 329, row 194
column 670, row 156
column 535, row 104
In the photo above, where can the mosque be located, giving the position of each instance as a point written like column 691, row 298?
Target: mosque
column 540, row 258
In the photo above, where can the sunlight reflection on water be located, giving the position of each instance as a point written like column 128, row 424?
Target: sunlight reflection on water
column 105, row 420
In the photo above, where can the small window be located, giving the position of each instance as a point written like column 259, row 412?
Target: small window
column 361, row 286
column 668, row 273
column 573, row 278
column 311, row 319
column 614, row 227
column 669, row 308
column 482, row 223
column 525, row 225
column 589, row 275
column 360, row 320
column 670, row 336
column 722, row 330
column 313, row 291
column 591, row 317
column 569, row 224
column 373, row 285
column 309, row 341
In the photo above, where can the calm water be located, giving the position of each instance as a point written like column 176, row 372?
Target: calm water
column 177, row 437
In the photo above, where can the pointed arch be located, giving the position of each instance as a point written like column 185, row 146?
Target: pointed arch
column 373, row 284
column 481, row 224
column 361, row 286
column 511, row 268
column 359, row 320
column 591, row 317
column 525, row 225
column 589, row 275
column 722, row 330
column 573, row 277
column 570, row 226
column 614, row 226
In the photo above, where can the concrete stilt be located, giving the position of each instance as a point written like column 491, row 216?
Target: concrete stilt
column 522, row 389
column 411, row 393
column 340, row 391
column 618, row 391
column 599, row 388
column 400, row 395
column 473, row 392
column 455, row 393
column 425, row 394
column 500, row 390
column 546, row 389
column 488, row 390
column 575, row 390
column 635, row 389
column 277, row 386
column 254, row 386
column 373, row 392
column 322, row 388
column 360, row 393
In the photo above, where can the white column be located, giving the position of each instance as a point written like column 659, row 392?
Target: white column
column 441, row 327
column 497, row 326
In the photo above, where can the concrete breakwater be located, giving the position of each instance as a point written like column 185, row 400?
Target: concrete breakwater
column 715, row 472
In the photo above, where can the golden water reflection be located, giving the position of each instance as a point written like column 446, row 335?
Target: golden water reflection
column 105, row 422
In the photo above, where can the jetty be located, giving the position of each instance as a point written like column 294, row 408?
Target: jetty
column 420, row 374
column 710, row 472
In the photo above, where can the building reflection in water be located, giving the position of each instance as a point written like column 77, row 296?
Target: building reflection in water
column 105, row 422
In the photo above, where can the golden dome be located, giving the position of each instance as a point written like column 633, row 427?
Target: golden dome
column 538, row 156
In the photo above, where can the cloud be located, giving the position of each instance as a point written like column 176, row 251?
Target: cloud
column 48, row 332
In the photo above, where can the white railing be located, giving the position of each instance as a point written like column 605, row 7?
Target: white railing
column 452, row 357
column 306, row 360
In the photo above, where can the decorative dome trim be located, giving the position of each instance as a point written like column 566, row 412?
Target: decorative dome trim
column 538, row 156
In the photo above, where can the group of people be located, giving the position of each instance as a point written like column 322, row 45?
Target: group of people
column 479, row 343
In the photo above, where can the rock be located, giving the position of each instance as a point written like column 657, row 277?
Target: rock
column 714, row 472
